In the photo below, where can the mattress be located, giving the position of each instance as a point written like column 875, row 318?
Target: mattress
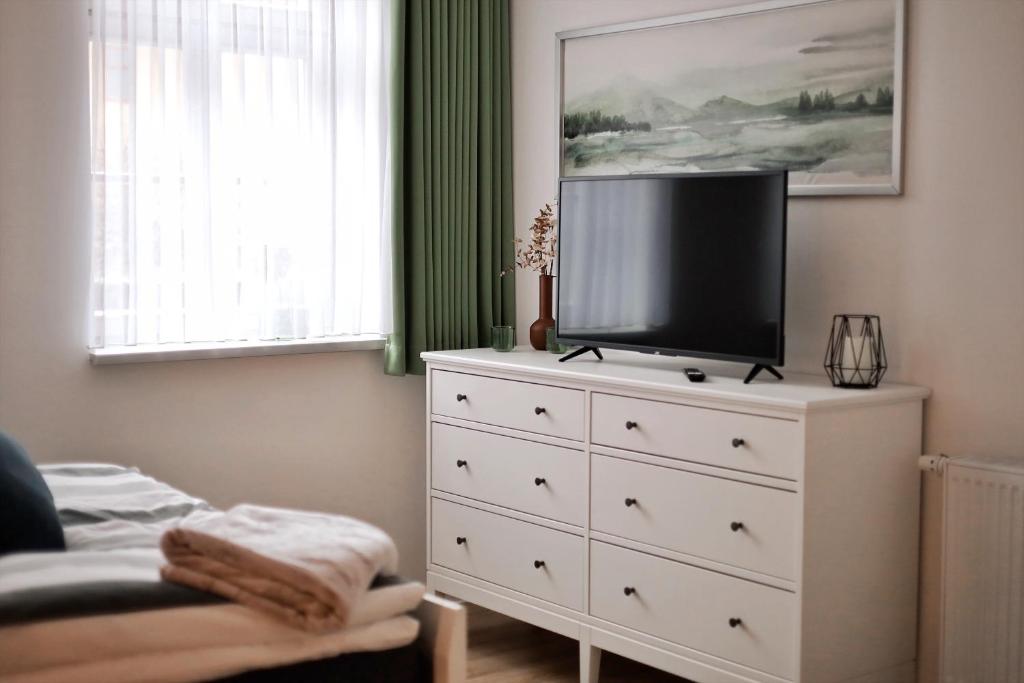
column 101, row 612
column 400, row 665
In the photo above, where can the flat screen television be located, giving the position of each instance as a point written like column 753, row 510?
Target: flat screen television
column 688, row 265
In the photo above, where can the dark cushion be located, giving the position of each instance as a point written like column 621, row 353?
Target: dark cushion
column 28, row 518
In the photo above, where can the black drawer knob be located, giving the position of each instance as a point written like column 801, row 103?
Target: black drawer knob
column 460, row 397
column 630, row 502
column 734, row 622
column 539, row 411
column 539, row 480
column 629, row 590
column 736, row 526
column 460, row 540
column 537, row 564
column 461, row 463
column 631, row 425
column 736, row 443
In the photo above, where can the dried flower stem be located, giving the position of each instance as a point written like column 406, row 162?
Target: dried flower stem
column 537, row 253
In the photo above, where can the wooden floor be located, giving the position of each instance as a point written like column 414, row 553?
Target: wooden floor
column 503, row 650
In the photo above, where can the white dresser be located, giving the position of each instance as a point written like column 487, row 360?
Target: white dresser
column 721, row 531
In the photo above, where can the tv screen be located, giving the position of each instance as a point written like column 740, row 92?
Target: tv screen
column 688, row 265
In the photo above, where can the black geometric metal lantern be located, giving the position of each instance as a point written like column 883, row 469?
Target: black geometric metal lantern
column 855, row 357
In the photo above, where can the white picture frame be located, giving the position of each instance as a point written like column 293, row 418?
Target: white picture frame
column 890, row 184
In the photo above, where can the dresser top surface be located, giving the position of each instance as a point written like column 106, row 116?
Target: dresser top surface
column 798, row 392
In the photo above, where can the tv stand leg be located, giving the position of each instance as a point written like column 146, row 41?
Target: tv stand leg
column 754, row 371
column 580, row 351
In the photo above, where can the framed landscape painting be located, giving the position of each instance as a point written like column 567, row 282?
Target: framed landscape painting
column 813, row 86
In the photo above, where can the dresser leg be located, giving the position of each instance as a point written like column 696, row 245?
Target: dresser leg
column 590, row 662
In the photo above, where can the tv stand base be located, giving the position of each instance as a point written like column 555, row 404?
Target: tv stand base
column 580, row 351
column 754, row 371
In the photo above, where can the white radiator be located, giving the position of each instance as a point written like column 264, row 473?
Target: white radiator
column 983, row 572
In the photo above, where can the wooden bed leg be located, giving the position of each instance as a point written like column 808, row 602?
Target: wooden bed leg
column 443, row 637
column 590, row 660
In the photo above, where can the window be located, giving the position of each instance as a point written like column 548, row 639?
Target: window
column 239, row 170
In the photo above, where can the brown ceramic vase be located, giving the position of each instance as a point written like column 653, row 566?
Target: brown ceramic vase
column 540, row 326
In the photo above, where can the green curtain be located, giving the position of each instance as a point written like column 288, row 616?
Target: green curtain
column 452, row 174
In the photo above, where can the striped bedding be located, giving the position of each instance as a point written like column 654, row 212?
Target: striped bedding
column 100, row 610
column 113, row 518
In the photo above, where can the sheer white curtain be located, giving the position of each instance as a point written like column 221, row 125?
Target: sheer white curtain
column 240, row 169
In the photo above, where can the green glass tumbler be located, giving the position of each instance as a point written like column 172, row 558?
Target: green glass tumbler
column 503, row 337
column 552, row 344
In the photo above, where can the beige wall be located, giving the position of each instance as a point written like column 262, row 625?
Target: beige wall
column 323, row 431
column 943, row 264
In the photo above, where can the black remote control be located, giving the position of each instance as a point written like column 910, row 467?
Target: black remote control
column 694, row 375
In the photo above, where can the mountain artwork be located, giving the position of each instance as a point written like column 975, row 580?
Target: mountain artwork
column 813, row 88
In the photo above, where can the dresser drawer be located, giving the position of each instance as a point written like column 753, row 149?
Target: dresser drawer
column 507, row 552
column 763, row 445
column 695, row 514
column 543, row 480
column 519, row 405
column 693, row 607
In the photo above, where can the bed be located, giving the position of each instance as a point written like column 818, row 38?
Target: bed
column 101, row 612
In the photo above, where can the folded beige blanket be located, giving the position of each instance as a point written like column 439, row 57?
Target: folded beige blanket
column 306, row 568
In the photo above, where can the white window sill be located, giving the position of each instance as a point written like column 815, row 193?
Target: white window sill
column 152, row 353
